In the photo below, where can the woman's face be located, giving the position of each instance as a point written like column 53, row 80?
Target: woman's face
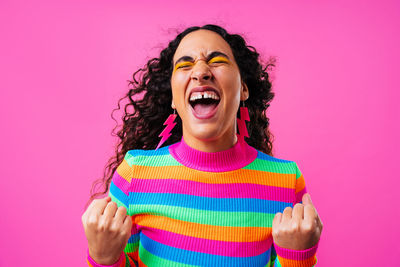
column 206, row 90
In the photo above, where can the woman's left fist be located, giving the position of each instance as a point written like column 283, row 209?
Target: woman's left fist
column 298, row 228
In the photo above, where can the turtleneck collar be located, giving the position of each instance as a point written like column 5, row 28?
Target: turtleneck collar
column 231, row 159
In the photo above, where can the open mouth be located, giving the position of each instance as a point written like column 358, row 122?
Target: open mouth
column 204, row 106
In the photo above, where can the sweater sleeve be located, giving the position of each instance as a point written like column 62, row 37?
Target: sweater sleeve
column 119, row 192
column 296, row 258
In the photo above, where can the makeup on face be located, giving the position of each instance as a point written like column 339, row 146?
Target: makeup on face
column 206, row 95
column 203, row 104
column 186, row 62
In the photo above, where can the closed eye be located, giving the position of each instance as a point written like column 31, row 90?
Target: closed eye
column 184, row 65
column 218, row 60
column 213, row 60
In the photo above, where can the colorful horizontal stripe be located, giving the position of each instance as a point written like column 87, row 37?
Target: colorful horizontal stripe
column 222, row 233
column 242, row 190
column 185, row 216
column 196, row 258
column 209, row 246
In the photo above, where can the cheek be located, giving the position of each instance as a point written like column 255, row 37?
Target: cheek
column 175, row 79
column 230, row 82
column 178, row 83
column 228, row 77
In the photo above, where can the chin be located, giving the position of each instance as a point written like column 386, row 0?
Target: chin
column 204, row 134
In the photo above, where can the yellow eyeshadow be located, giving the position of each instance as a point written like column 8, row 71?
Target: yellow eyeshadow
column 218, row 59
column 184, row 64
column 188, row 63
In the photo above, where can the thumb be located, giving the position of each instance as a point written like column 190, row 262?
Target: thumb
column 306, row 199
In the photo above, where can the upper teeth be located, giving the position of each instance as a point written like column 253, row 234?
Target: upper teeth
column 200, row 95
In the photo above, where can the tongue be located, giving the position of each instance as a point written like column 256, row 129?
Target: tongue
column 204, row 109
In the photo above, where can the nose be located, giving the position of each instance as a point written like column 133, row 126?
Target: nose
column 201, row 71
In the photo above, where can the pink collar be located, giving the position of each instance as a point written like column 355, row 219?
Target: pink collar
column 231, row 159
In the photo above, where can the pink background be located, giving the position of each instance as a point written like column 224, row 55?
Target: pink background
column 64, row 65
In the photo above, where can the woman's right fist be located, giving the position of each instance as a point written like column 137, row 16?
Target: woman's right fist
column 107, row 228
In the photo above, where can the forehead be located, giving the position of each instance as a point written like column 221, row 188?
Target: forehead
column 201, row 43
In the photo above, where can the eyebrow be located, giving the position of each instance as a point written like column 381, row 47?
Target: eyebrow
column 211, row 55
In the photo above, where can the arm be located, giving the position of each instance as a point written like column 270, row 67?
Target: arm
column 293, row 257
column 119, row 192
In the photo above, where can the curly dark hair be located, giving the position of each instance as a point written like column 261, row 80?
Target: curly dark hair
column 142, row 125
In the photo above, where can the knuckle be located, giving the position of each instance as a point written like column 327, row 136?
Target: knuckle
column 124, row 231
column 114, row 228
column 285, row 231
column 126, row 234
column 101, row 228
column 122, row 209
column 275, row 232
column 91, row 221
column 287, row 209
column 103, row 225
column 112, row 204
column 295, row 227
column 308, row 228
column 298, row 205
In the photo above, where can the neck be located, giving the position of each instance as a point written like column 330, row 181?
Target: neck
column 215, row 145
column 235, row 157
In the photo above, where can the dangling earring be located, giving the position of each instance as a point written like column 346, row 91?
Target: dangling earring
column 244, row 116
column 166, row 133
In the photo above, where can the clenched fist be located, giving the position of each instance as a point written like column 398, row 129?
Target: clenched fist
column 107, row 228
column 298, row 228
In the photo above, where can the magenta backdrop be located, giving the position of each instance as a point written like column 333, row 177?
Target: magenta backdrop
column 64, row 65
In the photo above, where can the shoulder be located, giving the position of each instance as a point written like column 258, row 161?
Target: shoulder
column 140, row 156
column 278, row 164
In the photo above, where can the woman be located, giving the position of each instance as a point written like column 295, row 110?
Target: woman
column 201, row 194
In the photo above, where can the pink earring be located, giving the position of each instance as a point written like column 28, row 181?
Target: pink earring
column 166, row 133
column 244, row 116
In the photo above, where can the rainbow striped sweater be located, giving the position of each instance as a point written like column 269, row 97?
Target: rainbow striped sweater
column 194, row 208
